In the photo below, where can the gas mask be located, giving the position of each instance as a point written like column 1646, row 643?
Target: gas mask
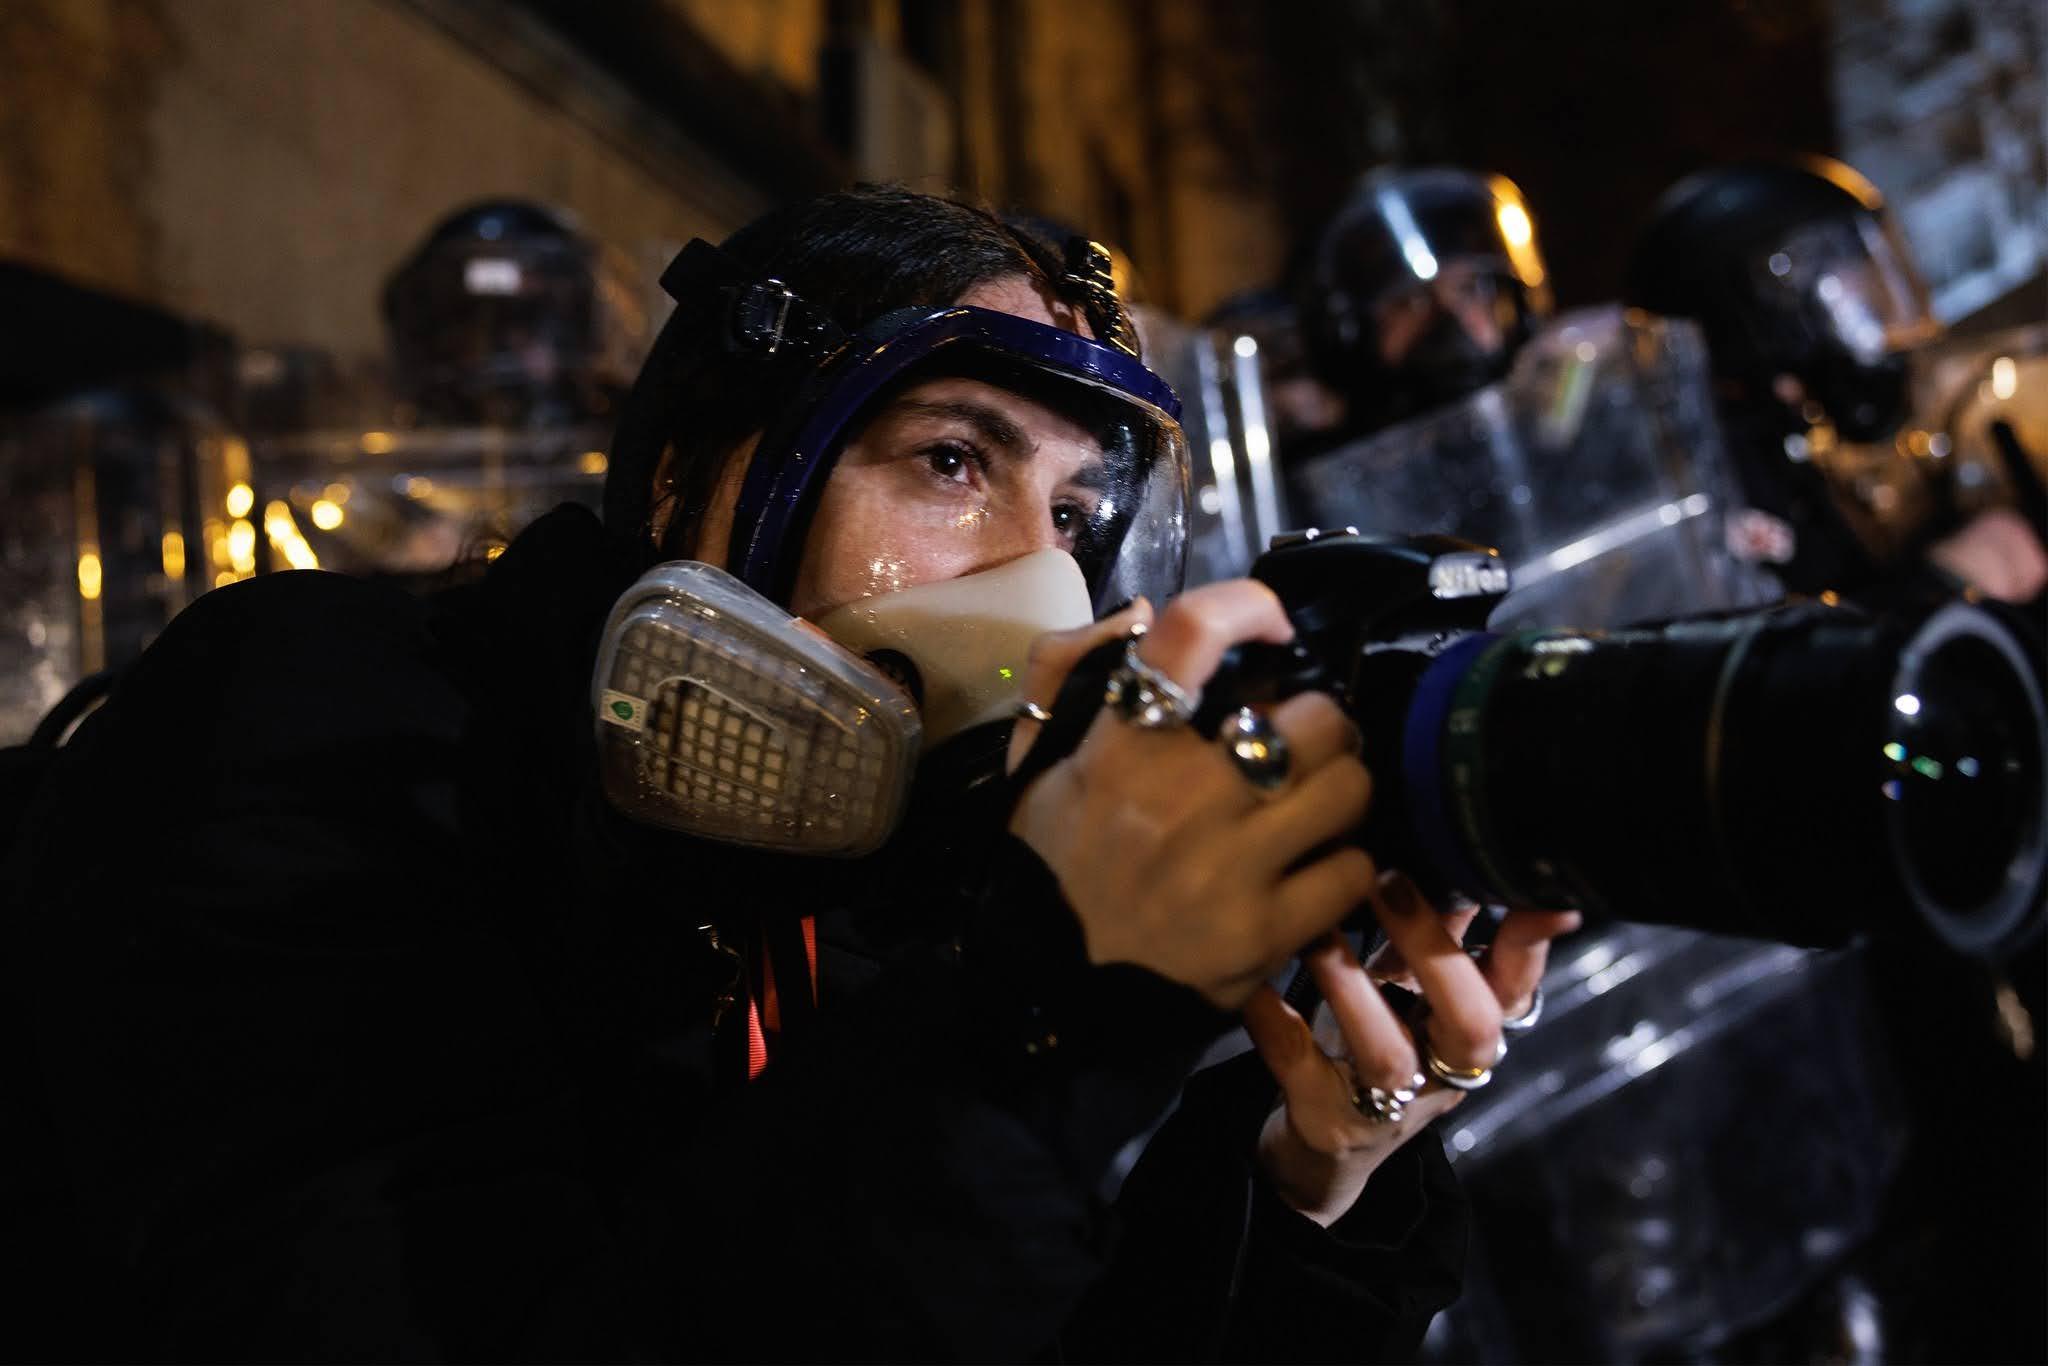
column 720, row 715
column 1445, row 364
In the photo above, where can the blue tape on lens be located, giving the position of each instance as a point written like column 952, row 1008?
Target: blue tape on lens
column 1422, row 761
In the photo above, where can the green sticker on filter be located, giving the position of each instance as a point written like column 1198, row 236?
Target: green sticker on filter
column 622, row 710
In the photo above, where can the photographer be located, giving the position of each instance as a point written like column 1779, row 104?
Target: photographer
column 358, row 1020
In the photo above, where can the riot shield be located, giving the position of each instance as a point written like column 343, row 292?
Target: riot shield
column 1236, row 507
column 1595, row 467
column 118, row 512
column 1696, row 1134
column 413, row 504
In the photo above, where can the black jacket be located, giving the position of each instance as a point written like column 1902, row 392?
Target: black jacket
column 349, row 1022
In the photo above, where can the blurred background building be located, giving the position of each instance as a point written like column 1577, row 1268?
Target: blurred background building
column 262, row 165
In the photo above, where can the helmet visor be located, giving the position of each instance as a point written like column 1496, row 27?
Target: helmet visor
column 1852, row 281
column 1412, row 225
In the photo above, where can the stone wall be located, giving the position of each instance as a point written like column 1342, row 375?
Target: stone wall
column 265, row 163
column 1942, row 104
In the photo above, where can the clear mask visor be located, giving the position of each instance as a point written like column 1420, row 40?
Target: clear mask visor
column 983, row 457
column 1852, row 279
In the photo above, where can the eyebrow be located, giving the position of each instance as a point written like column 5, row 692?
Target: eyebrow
column 993, row 426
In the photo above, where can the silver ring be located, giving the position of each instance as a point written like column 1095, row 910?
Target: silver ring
column 1257, row 748
column 1383, row 1105
column 1145, row 697
column 1031, row 711
column 1526, row 1021
column 1458, row 1078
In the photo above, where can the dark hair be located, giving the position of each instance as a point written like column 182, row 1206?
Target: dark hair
column 857, row 254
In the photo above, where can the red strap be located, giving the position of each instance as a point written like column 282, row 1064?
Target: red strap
column 757, row 1036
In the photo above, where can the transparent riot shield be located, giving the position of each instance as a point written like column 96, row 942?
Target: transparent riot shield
column 414, row 504
column 117, row 513
column 1236, row 507
column 1696, row 1134
column 1595, row 467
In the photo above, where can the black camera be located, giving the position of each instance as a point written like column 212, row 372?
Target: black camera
column 1805, row 773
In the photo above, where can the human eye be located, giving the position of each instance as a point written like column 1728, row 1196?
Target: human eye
column 954, row 462
column 1067, row 520
column 1073, row 520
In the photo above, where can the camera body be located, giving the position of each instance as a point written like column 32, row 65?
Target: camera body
column 1807, row 773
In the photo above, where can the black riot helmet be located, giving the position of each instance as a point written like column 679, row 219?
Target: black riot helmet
column 1791, row 270
column 501, row 316
column 1421, row 290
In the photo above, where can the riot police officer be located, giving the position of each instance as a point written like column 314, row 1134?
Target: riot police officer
column 1420, row 290
column 1813, row 311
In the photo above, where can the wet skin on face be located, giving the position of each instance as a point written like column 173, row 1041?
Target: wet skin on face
column 953, row 477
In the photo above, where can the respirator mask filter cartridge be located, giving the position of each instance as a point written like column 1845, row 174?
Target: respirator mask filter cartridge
column 719, row 717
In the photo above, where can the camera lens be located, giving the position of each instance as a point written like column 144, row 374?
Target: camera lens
column 1963, row 772
column 1807, row 774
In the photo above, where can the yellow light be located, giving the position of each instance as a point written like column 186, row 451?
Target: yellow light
column 494, row 552
column 378, row 443
column 298, row 554
column 419, row 486
column 242, row 546
column 174, row 555
column 1515, row 225
column 337, row 494
column 240, row 499
column 285, row 538
column 326, row 515
column 593, row 462
column 89, row 576
column 1847, row 179
column 224, row 578
column 1520, row 236
column 2005, row 378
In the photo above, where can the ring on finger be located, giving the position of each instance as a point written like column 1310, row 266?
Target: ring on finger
column 1032, row 711
column 1146, row 697
column 1258, row 749
column 1526, row 1021
column 1381, row 1107
column 1386, row 1105
column 1460, row 1078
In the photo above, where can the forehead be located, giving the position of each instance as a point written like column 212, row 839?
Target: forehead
column 1027, row 298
